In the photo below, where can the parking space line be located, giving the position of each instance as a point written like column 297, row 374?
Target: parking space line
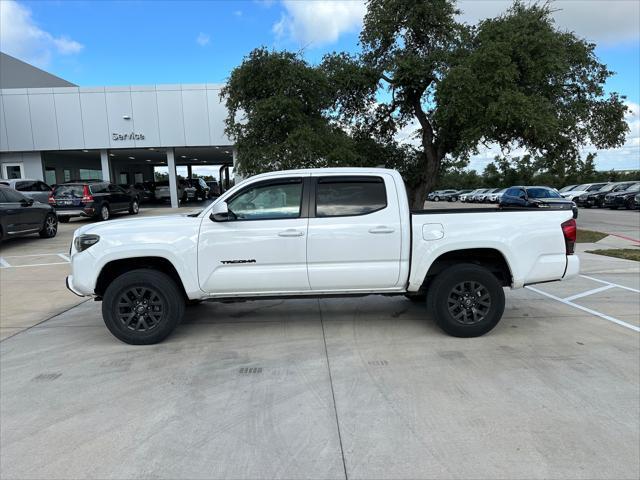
column 4, row 263
column 33, row 255
column 37, row 265
column 589, row 292
column 611, row 283
column 588, row 310
column 64, row 257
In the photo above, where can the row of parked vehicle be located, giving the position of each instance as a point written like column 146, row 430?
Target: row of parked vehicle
column 602, row 195
column 32, row 206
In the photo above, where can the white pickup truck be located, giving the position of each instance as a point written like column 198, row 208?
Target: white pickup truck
column 320, row 232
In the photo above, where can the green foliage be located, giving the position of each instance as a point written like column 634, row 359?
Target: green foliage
column 515, row 80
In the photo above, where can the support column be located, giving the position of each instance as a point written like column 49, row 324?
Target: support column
column 189, row 171
column 173, row 177
column 221, row 177
column 106, row 167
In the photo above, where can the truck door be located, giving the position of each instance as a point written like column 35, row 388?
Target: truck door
column 354, row 236
column 262, row 248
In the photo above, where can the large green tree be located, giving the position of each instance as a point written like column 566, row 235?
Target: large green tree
column 515, row 80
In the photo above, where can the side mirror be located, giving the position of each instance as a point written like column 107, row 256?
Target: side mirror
column 220, row 212
column 27, row 202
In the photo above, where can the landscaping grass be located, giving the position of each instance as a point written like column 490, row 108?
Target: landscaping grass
column 589, row 236
column 626, row 253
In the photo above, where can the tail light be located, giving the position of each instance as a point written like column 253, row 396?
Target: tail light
column 86, row 194
column 570, row 231
column 52, row 200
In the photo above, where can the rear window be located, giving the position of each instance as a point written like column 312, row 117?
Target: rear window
column 347, row 196
column 69, row 191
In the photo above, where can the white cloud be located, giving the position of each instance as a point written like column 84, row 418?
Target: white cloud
column 203, row 39
column 319, row 22
column 21, row 37
column 606, row 21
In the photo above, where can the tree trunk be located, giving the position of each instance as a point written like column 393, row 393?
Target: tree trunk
column 418, row 194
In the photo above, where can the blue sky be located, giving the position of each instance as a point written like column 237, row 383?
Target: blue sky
column 147, row 42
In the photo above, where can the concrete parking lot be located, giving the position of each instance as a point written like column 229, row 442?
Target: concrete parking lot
column 334, row 388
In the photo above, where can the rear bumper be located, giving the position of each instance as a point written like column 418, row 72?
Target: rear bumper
column 573, row 267
column 88, row 212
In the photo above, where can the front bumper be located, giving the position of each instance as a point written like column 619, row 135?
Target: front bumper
column 69, row 282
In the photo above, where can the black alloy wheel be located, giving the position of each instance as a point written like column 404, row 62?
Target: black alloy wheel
column 469, row 302
column 50, row 227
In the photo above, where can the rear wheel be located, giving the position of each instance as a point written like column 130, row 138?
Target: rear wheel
column 134, row 208
column 104, row 213
column 142, row 307
column 436, row 199
column 50, row 226
column 466, row 300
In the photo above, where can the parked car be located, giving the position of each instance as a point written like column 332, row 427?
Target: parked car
column 536, row 197
column 496, row 196
column 185, row 191
column 142, row 192
column 473, row 197
column 636, row 201
column 623, row 198
column 36, row 189
column 582, row 189
column 484, row 196
column 98, row 200
column 440, row 195
column 203, row 192
column 596, row 199
column 567, row 188
column 467, row 197
column 454, row 197
column 20, row 215
column 350, row 232
column 214, row 188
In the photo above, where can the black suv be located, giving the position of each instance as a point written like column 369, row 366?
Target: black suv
column 20, row 215
column 95, row 199
column 596, row 199
column 536, row 197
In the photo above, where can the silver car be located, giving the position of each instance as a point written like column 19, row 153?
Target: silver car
column 30, row 188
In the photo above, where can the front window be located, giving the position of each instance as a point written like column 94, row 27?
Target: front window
column 274, row 200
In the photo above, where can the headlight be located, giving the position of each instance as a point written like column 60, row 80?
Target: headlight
column 583, row 197
column 82, row 242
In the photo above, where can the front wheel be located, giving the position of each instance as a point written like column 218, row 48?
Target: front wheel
column 142, row 307
column 436, row 199
column 134, row 208
column 466, row 300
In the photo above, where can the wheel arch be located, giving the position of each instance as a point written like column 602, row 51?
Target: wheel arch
column 490, row 258
column 115, row 268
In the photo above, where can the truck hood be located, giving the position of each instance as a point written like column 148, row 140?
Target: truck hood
column 138, row 225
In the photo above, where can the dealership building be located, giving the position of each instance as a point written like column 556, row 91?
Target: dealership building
column 53, row 130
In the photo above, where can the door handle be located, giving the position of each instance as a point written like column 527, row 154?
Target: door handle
column 381, row 229
column 290, row 233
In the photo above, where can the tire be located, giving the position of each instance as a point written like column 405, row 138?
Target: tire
column 50, row 226
column 416, row 297
column 158, row 290
column 63, row 219
column 452, row 284
column 134, row 208
column 184, row 198
column 105, row 213
column 436, row 199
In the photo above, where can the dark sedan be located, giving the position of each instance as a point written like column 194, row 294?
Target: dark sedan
column 623, row 198
column 20, row 215
column 536, row 197
column 596, row 199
